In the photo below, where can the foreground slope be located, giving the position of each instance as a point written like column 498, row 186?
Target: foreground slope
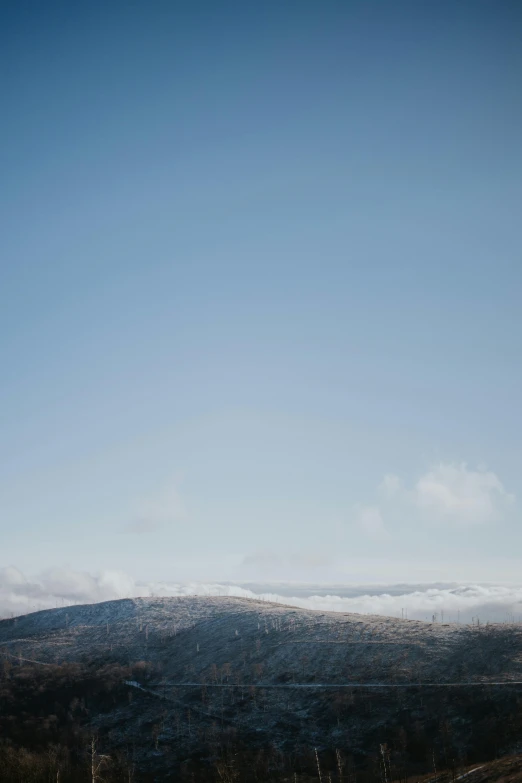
column 203, row 674
column 285, row 643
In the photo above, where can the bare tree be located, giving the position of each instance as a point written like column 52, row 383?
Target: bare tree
column 318, row 766
column 339, row 763
column 98, row 761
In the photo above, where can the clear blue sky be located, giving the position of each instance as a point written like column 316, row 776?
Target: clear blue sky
column 254, row 257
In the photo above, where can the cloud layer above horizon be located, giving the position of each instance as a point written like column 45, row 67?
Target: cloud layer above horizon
column 442, row 602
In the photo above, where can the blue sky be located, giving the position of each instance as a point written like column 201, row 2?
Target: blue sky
column 255, row 257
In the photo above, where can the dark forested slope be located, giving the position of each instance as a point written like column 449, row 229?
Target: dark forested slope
column 235, row 689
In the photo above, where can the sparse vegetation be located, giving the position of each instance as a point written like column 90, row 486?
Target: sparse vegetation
column 155, row 707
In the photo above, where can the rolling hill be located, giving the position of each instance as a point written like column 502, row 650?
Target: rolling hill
column 180, row 686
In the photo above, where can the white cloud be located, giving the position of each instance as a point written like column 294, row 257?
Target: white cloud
column 167, row 506
column 142, row 526
column 12, row 577
column 463, row 495
column 277, row 562
column 448, row 492
column 369, row 520
column 390, row 486
column 154, row 513
column 265, row 558
column 490, row 602
column 55, row 586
